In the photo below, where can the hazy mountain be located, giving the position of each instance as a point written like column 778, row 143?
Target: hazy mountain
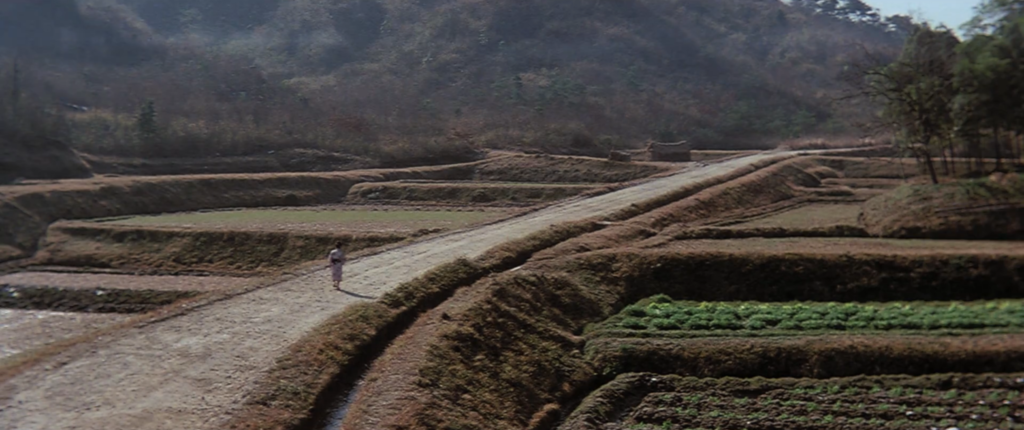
column 389, row 78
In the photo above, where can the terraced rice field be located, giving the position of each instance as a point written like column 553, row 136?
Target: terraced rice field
column 320, row 219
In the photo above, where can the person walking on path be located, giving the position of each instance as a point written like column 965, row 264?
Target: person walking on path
column 337, row 258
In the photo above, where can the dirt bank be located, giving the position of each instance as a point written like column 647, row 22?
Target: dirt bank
column 978, row 209
column 561, row 169
column 473, row 193
column 29, row 157
column 810, row 357
column 289, row 160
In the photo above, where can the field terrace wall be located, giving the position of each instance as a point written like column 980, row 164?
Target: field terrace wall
column 561, row 169
column 474, row 193
column 810, row 356
column 508, row 348
column 27, row 210
column 84, row 244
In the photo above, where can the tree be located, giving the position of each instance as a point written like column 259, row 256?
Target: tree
column 990, row 76
column 991, row 15
column 146, row 125
column 917, row 93
column 15, row 90
column 982, row 102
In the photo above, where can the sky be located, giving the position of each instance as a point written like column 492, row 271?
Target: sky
column 952, row 13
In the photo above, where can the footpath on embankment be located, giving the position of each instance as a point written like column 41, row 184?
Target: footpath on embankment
column 193, row 370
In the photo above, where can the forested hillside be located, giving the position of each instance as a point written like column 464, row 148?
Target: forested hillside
column 404, row 82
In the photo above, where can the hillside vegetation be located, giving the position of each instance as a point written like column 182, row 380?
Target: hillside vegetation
column 945, row 98
column 408, row 83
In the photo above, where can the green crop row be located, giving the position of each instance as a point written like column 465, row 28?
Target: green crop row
column 661, row 313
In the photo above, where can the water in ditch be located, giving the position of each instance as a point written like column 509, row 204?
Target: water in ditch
column 338, row 409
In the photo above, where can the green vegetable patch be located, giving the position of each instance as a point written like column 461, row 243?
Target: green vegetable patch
column 662, row 314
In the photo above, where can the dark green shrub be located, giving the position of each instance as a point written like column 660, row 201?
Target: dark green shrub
column 633, row 324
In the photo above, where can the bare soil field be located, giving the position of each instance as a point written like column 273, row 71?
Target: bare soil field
column 193, row 370
column 26, row 330
column 651, row 401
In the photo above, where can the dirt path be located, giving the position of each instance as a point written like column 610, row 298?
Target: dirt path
column 191, row 371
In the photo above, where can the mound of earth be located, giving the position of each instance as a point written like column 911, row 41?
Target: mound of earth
column 38, row 158
column 988, row 208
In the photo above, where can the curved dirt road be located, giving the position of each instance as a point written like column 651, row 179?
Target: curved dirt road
column 191, row 371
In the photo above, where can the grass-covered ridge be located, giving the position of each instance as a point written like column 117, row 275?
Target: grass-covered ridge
column 660, row 313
